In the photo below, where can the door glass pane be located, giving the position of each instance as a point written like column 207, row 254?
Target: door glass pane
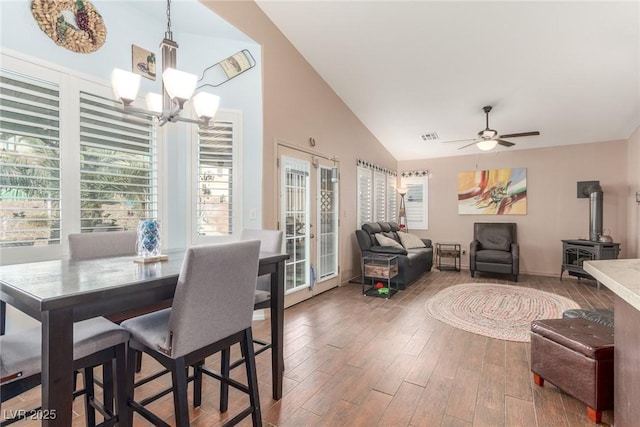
column 328, row 211
column 295, row 213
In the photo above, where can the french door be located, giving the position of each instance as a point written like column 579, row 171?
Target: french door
column 309, row 217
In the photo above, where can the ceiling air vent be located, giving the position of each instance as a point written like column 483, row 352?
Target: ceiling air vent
column 431, row 136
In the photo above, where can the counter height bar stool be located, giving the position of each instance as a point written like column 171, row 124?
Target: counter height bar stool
column 212, row 309
column 109, row 244
column 270, row 241
column 95, row 342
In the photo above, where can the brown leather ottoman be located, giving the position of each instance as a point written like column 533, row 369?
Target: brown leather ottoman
column 576, row 355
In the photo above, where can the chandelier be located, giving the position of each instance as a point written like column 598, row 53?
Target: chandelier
column 177, row 88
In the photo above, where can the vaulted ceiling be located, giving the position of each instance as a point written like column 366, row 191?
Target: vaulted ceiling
column 567, row 69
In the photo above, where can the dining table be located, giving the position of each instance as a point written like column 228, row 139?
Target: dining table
column 61, row 292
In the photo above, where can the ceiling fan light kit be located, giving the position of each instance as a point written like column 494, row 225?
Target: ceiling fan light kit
column 488, row 138
column 487, row 144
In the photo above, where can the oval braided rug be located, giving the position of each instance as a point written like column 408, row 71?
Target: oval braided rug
column 497, row 311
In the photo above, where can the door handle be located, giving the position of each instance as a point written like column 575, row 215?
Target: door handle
column 312, row 235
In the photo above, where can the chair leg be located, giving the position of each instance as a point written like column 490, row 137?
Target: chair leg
column 107, row 386
column 89, row 395
column 225, row 362
column 129, row 385
column 252, row 376
column 179, row 377
column 138, row 362
column 3, row 317
column 197, row 384
column 124, row 415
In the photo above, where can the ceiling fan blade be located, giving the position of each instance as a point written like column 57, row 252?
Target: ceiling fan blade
column 475, row 141
column 504, row 143
column 515, row 135
column 458, row 140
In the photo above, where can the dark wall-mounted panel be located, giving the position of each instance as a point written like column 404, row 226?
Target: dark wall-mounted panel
column 585, row 184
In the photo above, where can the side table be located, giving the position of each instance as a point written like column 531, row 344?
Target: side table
column 448, row 256
column 379, row 269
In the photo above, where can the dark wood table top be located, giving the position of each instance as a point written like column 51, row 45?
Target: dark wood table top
column 46, row 285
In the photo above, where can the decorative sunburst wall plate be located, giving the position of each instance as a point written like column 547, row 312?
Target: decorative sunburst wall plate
column 73, row 24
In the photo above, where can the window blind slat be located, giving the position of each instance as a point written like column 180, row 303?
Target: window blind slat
column 214, row 209
column 118, row 166
column 29, row 161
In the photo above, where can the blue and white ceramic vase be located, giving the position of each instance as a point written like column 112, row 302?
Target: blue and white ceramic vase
column 148, row 238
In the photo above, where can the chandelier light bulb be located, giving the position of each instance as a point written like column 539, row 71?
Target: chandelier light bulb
column 205, row 105
column 154, row 102
column 179, row 85
column 125, row 85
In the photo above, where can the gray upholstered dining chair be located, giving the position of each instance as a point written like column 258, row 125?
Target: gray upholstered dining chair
column 212, row 309
column 91, row 245
column 270, row 241
column 95, row 342
column 103, row 244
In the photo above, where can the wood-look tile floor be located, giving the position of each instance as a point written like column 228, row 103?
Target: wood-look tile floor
column 361, row 361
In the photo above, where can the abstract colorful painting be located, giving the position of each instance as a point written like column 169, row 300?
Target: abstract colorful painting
column 493, row 192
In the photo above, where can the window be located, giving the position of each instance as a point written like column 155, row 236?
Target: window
column 70, row 161
column 365, row 196
column 30, row 161
column 415, row 200
column 216, row 178
column 118, row 166
column 377, row 197
column 392, row 199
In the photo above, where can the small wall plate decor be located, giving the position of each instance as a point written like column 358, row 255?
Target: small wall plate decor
column 143, row 62
column 72, row 24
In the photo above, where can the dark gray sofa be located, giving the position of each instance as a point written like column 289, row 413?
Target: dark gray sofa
column 411, row 263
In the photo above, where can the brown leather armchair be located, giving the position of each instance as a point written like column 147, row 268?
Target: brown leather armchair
column 494, row 249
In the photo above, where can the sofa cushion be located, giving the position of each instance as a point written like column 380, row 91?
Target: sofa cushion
column 384, row 226
column 387, row 241
column 410, row 241
column 371, row 228
column 388, row 250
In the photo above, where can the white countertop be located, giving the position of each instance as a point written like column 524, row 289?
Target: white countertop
column 622, row 276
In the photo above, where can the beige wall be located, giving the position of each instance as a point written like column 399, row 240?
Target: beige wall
column 298, row 105
column 554, row 211
column 633, row 173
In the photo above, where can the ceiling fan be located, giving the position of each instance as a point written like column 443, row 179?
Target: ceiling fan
column 488, row 138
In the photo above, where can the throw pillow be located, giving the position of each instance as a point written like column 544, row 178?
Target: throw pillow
column 410, row 241
column 386, row 241
column 391, row 235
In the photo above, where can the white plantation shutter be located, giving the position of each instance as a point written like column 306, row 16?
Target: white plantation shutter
column 416, row 202
column 379, row 196
column 29, row 161
column 392, row 199
column 118, row 166
column 215, row 189
column 365, row 195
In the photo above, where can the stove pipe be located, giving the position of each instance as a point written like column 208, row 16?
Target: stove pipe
column 595, row 211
